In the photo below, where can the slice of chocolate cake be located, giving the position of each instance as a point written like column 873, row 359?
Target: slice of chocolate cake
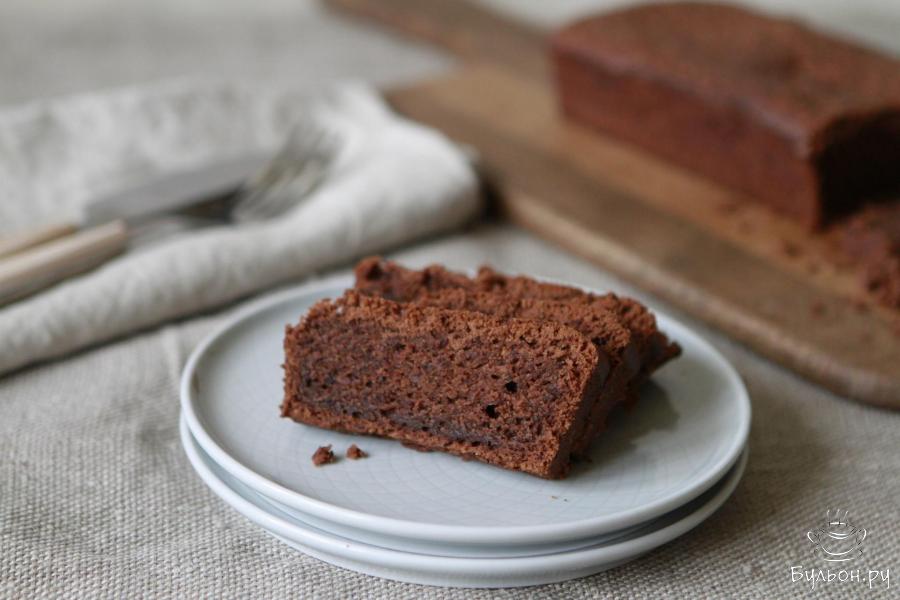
column 621, row 327
column 509, row 392
column 390, row 280
column 602, row 327
column 655, row 347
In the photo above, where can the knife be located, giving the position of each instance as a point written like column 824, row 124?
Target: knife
column 33, row 260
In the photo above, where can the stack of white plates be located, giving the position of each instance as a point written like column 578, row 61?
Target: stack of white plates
column 432, row 518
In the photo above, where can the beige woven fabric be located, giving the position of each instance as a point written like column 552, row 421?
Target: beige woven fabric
column 390, row 181
column 98, row 500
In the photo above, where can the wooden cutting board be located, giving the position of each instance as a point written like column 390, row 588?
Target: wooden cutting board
column 706, row 249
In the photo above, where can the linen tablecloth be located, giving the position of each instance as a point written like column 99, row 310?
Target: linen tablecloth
column 98, row 500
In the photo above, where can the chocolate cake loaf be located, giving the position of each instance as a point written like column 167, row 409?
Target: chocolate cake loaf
column 513, row 393
column 620, row 327
column 806, row 122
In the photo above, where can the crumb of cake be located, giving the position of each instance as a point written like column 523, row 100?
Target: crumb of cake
column 354, row 452
column 323, row 456
column 817, row 308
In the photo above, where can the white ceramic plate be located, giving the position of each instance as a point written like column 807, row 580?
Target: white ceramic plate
column 686, row 432
column 458, row 572
column 403, row 544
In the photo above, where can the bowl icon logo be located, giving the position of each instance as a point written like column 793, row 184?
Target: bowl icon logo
column 837, row 540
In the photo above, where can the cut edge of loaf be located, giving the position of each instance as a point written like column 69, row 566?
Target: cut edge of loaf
column 427, row 422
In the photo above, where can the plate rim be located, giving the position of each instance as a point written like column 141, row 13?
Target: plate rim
column 434, row 532
column 321, row 541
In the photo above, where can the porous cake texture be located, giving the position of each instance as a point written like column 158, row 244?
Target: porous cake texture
column 620, row 327
column 511, row 392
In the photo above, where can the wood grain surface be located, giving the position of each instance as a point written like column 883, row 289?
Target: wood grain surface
column 705, row 248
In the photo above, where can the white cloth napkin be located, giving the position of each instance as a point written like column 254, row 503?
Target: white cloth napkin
column 398, row 181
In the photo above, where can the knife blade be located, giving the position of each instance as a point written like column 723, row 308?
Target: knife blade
column 34, row 259
column 172, row 191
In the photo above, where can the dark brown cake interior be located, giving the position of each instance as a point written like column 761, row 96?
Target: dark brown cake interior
column 513, row 393
column 621, row 328
column 655, row 349
column 602, row 327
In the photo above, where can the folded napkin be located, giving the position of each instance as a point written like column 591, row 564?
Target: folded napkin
column 398, row 181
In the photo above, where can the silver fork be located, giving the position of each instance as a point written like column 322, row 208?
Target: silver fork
column 299, row 167
column 246, row 189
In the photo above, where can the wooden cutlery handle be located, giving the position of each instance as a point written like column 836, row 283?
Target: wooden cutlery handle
column 30, row 270
column 34, row 237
